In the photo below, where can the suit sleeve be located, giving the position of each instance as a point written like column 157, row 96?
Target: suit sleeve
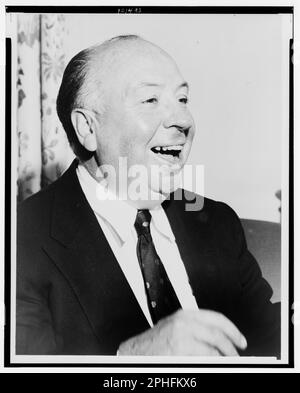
column 34, row 327
column 259, row 318
column 34, row 333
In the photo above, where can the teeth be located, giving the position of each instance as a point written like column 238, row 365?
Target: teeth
column 175, row 147
column 164, row 148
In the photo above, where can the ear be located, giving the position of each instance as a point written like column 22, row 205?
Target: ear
column 83, row 121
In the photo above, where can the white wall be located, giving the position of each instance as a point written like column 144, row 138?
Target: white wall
column 234, row 64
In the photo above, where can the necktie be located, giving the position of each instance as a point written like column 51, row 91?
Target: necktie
column 161, row 297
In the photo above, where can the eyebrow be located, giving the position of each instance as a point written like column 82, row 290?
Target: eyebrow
column 184, row 84
column 151, row 84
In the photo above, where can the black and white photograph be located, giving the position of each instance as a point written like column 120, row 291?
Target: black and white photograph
column 149, row 178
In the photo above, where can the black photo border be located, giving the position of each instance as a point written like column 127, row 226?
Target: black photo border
column 7, row 203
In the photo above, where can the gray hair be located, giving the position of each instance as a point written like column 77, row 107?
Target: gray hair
column 80, row 88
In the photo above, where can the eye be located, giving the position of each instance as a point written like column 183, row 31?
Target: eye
column 183, row 100
column 152, row 100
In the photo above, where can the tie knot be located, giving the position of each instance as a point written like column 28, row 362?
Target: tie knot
column 142, row 222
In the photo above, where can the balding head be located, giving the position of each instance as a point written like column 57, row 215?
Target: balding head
column 126, row 99
column 86, row 78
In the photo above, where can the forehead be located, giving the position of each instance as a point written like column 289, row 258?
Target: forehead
column 158, row 68
column 144, row 67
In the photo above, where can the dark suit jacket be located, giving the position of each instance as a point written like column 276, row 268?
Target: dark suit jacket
column 72, row 297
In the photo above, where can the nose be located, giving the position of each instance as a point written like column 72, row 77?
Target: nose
column 179, row 118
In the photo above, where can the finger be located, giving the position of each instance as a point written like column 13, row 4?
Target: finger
column 204, row 350
column 194, row 348
column 221, row 322
column 217, row 339
column 204, row 334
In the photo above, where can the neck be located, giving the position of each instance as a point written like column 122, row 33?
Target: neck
column 93, row 169
column 154, row 199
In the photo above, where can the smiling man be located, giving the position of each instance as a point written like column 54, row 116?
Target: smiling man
column 132, row 95
column 101, row 271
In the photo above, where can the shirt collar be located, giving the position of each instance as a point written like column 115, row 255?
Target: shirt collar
column 118, row 213
column 161, row 222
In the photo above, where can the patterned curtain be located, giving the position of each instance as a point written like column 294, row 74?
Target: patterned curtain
column 44, row 152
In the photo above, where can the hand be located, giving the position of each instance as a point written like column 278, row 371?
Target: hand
column 200, row 332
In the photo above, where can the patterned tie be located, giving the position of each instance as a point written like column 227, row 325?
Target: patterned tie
column 162, row 300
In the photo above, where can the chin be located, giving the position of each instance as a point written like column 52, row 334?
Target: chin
column 167, row 183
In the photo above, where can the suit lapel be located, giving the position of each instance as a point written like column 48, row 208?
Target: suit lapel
column 81, row 252
column 198, row 252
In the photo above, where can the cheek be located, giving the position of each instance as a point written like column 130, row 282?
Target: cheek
column 127, row 133
column 148, row 122
column 141, row 128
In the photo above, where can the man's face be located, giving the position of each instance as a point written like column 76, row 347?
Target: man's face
column 146, row 118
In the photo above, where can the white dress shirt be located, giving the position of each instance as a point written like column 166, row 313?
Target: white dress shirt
column 116, row 219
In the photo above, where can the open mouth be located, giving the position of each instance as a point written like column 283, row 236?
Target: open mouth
column 170, row 153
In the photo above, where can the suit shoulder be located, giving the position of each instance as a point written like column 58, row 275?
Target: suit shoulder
column 37, row 201
column 34, row 213
column 224, row 225
column 206, row 209
column 220, row 210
